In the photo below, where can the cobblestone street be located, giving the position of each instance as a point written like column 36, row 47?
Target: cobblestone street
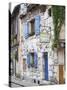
column 16, row 82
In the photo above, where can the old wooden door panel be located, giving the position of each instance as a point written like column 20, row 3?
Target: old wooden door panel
column 61, row 74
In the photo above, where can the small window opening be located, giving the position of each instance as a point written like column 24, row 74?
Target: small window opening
column 31, row 27
column 49, row 12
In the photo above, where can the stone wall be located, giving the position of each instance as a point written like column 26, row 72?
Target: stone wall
column 46, row 23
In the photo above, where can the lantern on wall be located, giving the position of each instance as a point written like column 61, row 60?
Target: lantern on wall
column 62, row 44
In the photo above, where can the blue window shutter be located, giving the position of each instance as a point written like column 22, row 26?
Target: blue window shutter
column 37, row 25
column 26, row 30
column 28, row 59
column 35, row 59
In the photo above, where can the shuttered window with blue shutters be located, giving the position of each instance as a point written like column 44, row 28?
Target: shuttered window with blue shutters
column 30, row 61
column 37, row 25
column 26, row 30
column 35, row 59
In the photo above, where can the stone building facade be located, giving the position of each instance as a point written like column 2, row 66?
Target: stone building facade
column 36, row 59
column 36, row 43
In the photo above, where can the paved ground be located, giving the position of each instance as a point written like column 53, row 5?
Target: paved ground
column 16, row 82
column 14, row 85
column 23, row 83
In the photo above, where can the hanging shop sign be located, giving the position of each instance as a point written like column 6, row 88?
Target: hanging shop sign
column 44, row 37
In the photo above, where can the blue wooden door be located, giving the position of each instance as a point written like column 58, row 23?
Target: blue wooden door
column 46, row 66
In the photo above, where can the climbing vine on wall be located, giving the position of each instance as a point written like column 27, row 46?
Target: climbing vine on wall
column 58, row 13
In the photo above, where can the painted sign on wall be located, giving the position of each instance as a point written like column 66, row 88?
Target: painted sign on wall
column 44, row 36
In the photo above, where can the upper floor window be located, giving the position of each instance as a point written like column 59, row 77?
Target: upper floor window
column 31, row 27
column 49, row 12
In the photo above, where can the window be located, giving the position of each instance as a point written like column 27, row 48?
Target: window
column 16, row 55
column 31, row 27
column 49, row 12
column 32, row 59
